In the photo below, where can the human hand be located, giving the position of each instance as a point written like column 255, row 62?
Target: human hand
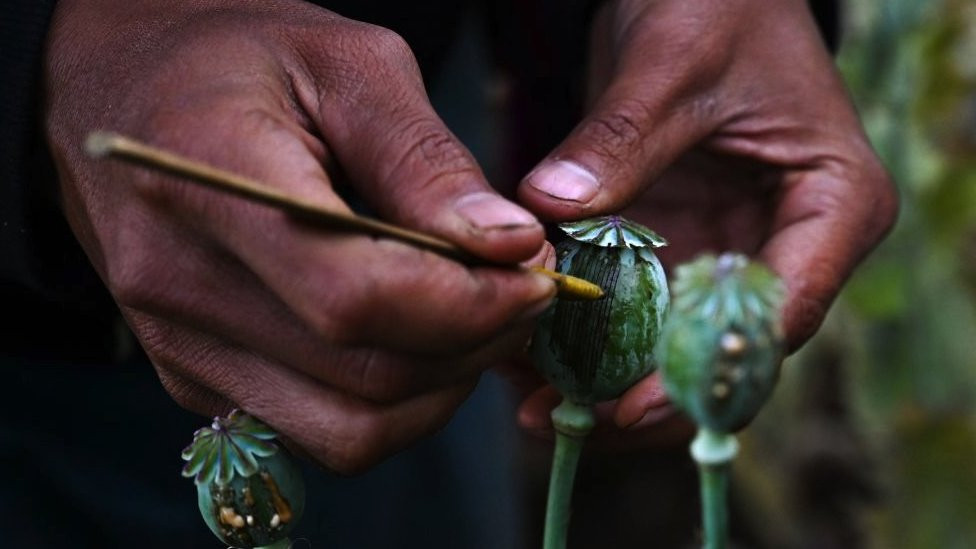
column 349, row 346
column 722, row 126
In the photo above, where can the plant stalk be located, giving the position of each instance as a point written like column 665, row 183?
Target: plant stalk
column 714, row 452
column 572, row 423
column 714, row 480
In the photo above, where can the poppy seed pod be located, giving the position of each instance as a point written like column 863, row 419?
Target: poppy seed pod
column 722, row 345
column 249, row 491
column 593, row 351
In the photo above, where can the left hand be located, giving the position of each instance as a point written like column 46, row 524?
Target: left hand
column 722, row 126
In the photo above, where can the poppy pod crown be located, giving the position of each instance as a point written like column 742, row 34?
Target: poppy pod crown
column 249, row 491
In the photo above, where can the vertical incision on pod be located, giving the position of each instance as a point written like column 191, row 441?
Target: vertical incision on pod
column 581, row 327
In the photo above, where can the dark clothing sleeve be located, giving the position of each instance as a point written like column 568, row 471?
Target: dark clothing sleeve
column 22, row 30
column 53, row 304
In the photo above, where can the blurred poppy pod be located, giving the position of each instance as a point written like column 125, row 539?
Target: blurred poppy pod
column 722, row 345
column 249, row 491
column 593, row 351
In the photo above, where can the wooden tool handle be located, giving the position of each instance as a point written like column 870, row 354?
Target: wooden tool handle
column 101, row 144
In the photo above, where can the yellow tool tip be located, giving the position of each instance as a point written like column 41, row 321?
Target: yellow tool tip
column 571, row 287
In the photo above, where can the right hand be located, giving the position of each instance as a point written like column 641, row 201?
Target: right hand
column 724, row 126
column 351, row 347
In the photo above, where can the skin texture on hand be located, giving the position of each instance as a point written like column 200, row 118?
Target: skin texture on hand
column 349, row 346
column 722, row 126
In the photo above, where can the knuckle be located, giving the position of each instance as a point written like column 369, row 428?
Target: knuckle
column 381, row 381
column 375, row 47
column 804, row 320
column 618, row 132
column 885, row 202
column 334, row 327
column 358, row 445
column 437, row 147
column 171, row 352
column 366, row 434
column 864, row 195
column 389, row 45
column 455, row 331
column 430, row 161
column 191, row 395
column 432, row 150
column 136, row 279
column 340, row 319
column 369, row 62
column 199, row 362
column 139, row 266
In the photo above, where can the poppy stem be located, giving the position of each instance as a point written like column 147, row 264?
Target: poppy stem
column 714, row 452
column 572, row 422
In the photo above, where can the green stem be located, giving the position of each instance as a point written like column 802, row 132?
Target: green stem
column 572, row 422
column 714, row 453
column 280, row 544
column 714, row 485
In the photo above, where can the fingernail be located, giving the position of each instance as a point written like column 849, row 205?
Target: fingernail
column 565, row 180
column 487, row 211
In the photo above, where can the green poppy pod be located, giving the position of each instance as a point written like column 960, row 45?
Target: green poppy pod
column 722, row 345
column 593, row 351
column 250, row 492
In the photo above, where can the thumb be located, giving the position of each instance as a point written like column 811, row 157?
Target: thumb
column 656, row 105
column 413, row 171
column 612, row 155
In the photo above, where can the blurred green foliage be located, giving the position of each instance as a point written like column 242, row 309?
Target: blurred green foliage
column 871, row 438
column 911, row 67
